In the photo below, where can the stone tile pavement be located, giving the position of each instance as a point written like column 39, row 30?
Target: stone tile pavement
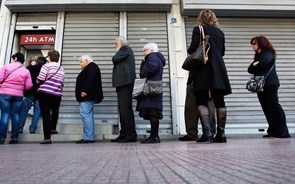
column 241, row 160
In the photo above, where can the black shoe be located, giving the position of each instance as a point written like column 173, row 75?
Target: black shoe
column 133, row 139
column 266, row 136
column 82, row 141
column 2, row 141
column 32, row 132
column 20, row 131
column 219, row 138
column 205, row 139
column 54, row 132
column 186, row 138
column 46, row 141
column 117, row 139
column 151, row 140
column 13, row 141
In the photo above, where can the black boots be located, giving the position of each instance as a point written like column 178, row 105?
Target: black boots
column 204, row 117
column 221, row 121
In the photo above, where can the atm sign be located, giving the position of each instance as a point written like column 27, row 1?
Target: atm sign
column 37, row 39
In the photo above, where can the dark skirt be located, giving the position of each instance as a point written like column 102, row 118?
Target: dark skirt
column 148, row 113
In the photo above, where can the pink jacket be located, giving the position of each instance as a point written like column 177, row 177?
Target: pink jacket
column 17, row 82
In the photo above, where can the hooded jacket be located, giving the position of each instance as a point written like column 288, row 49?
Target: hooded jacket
column 151, row 68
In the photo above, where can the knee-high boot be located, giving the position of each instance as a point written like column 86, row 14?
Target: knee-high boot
column 205, row 121
column 221, row 121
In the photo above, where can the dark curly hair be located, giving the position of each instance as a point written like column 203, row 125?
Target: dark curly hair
column 18, row 57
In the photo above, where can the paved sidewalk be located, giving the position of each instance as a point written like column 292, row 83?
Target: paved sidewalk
column 241, row 160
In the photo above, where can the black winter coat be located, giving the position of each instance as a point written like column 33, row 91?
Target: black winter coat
column 89, row 81
column 213, row 74
column 34, row 71
column 124, row 67
column 266, row 61
column 151, row 68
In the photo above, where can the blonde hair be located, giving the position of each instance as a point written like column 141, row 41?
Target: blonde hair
column 209, row 17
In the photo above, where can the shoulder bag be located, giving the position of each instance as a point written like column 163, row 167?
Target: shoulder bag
column 256, row 83
column 146, row 87
column 201, row 53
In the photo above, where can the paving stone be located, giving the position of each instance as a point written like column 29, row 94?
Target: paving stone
column 241, row 160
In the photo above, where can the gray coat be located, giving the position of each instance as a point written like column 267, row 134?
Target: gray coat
column 124, row 67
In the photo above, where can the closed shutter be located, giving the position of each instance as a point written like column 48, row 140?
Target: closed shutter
column 244, row 111
column 36, row 21
column 93, row 34
column 141, row 29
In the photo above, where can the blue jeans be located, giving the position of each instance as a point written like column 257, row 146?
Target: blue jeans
column 10, row 106
column 86, row 112
column 26, row 106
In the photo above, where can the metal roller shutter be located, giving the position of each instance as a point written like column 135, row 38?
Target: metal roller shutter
column 244, row 112
column 36, row 21
column 93, row 34
column 141, row 29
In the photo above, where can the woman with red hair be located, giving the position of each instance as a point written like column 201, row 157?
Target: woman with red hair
column 264, row 61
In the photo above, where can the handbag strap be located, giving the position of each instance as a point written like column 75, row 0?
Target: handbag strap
column 269, row 71
column 10, row 73
column 202, row 34
column 40, row 83
column 54, row 73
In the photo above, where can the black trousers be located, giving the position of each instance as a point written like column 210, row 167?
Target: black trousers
column 49, row 106
column 273, row 112
column 124, row 94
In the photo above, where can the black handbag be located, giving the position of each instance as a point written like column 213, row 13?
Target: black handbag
column 256, row 83
column 201, row 53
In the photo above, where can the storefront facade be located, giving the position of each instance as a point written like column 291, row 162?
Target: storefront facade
column 91, row 27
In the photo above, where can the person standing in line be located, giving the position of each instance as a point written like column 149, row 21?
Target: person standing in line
column 264, row 59
column 88, row 91
column 31, row 98
column 191, row 116
column 50, row 92
column 123, row 79
column 211, row 77
column 150, row 106
column 14, row 79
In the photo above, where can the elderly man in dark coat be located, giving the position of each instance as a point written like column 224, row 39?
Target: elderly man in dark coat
column 123, row 80
column 88, row 91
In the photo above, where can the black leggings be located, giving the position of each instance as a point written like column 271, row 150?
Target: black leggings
column 202, row 97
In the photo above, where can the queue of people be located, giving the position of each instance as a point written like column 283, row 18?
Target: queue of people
column 207, row 86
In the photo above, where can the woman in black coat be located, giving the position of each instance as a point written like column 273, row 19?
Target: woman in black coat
column 264, row 59
column 211, row 79
column 150, row 106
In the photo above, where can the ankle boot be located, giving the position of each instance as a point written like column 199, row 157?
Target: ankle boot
column 204, row 117
column 221, row 121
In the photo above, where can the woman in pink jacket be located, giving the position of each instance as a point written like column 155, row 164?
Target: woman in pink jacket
column 14, row 79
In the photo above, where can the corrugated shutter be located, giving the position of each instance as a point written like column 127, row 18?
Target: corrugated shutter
column 94, row 34
column 244, row 111
column 141, row 29
column 36, row 21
